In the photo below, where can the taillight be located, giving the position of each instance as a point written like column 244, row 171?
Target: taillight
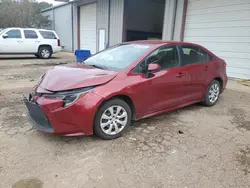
column 58, row 42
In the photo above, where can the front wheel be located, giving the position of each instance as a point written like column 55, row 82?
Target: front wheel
column 112, row 119
column 213, row 93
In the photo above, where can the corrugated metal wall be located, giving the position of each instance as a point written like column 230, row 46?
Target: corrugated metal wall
column 102, row 18
column 169, row 19
column 63, row 26
column 116, row 21
column 61, row 18
column 110, row 15
column 75, row 43
column 178, row 20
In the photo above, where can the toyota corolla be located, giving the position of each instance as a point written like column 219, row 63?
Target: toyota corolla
column 126, row 82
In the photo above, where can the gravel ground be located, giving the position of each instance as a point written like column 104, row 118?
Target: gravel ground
column 192, row 147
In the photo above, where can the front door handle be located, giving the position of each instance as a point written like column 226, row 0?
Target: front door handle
column 206, row 68
column 179, row 75
column 19, row 41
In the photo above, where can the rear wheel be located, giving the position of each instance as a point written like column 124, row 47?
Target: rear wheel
column 44, row 52
column 213, row 93
column 112, row 119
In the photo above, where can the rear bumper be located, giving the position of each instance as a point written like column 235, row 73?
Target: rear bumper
column 57, row 49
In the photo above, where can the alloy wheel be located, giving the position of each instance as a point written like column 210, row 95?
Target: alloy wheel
column 113, row 120
column 214, row 92
column 45, row 53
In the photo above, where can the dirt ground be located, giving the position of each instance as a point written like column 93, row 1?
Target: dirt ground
column 192, row 147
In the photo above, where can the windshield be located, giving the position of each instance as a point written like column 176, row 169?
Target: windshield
column 117, row 58
column 1, row 32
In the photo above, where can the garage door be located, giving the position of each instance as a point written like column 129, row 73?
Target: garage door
column 88, row 27
column 222, row 26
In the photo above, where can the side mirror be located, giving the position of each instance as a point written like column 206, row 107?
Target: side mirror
column 154, row 68
column 5, row 36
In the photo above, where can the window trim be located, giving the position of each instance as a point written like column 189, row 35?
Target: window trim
column 165, row 46
column 30, row 30
column 192, row 46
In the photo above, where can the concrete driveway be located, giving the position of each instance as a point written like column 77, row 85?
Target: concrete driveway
column 192, row 147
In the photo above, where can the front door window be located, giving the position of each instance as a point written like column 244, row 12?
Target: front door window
column 14, row 34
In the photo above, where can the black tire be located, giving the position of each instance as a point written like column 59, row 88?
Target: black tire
column 97, row 122
column 207, row 101
column 44, row 52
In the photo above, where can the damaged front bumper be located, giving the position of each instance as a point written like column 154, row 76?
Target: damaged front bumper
column 38, row 117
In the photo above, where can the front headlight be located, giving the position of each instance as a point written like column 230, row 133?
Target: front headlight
column 69, row 97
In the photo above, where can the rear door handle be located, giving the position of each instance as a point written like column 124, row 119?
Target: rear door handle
column 37, row 41
column 179, row 75
column 19, row 41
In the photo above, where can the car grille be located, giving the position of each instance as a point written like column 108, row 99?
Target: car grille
column 38, row 117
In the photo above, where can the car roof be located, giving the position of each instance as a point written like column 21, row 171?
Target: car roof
column 159, row 42
column 29, row 28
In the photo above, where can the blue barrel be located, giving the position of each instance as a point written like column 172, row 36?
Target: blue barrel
column 81, row 55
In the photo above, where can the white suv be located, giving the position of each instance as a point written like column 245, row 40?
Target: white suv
column 40, row 42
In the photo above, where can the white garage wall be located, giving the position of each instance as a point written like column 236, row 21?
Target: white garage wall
column 63, row 26
column 222, row 26
column 61, row 22
column 88, row 27
column 145, row 15
column 116, row 21
column 103, row 20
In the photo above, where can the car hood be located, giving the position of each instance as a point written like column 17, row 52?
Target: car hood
column 74, row 77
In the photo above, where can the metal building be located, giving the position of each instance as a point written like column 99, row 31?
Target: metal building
column 62, row 22
column 223, row 26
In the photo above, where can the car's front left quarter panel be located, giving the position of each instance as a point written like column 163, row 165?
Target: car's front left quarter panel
column 125, row 85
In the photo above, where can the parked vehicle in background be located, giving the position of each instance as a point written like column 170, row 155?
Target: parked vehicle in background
column 40, row 42
column 126, row 82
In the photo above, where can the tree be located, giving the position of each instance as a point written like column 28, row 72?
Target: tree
column 22, row 13
column 44, row 5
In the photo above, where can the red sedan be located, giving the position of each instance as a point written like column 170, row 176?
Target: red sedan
column 126, row 82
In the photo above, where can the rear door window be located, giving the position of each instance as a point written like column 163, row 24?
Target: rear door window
column 205, row 57
column 193, row 55
column 48, row 34
column 30, row 34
